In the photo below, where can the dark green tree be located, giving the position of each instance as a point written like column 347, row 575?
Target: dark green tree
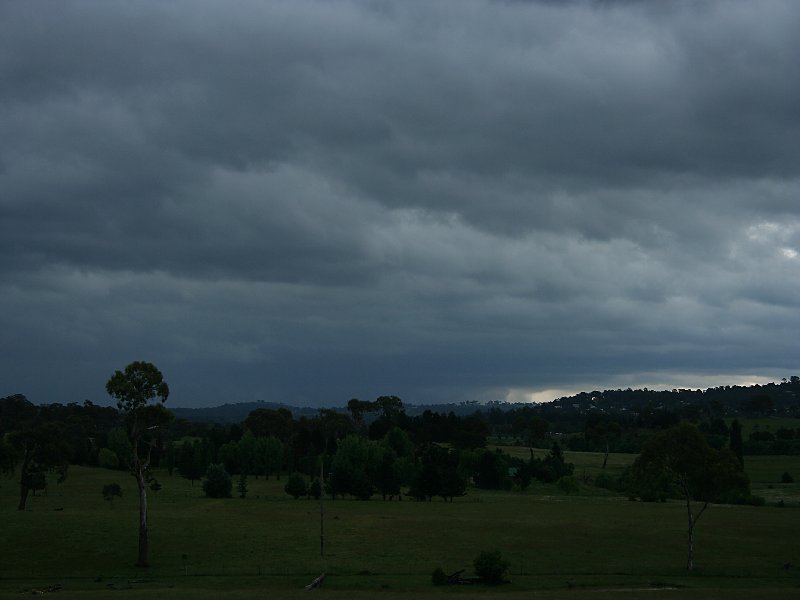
column 266, row 421
column 30, row 438
column 428, row 480
column 134, row 388
column 119, row 443
column 453, row 483
column 387, row 477
column 556, row 463
column 353, row 466
column 736, row 443
column 193, row 459
column 296, row 486
column 531, row 428
column 697, row 472
column 490, row 567
column 218, row 483
column 38, row 449
column 241, row 486
column 111, row 491
column 358, row 408
column 270, row 455
column 492, row 473
column 249, row 461
column 107, row 459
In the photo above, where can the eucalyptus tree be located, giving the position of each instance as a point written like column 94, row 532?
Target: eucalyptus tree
column 135, row 389
column 680, row 462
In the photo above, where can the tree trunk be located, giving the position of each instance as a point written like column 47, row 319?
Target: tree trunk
column 23, row 482
column 143, row 542
column 139, row 468
column 692, row 519
column 23, row 494
column 605, row 458
column 690, row 544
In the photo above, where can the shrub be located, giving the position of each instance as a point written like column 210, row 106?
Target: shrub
column 218, row 483
column 787, row 478
column 111, row 491
column 107, row 459
column 438, row 576
column 567, row 484
column 313, row 489
column 606, row 481
column 296, row 485
column 490, row 567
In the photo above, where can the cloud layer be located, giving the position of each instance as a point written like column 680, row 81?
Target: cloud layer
column 308, row 201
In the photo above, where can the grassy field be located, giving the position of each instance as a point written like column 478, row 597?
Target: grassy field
column 580, row 546
column 771, row 424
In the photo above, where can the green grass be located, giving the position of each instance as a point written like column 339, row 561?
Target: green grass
column 558, row 546
column 770, row 424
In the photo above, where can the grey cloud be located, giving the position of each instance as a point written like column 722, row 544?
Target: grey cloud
column 447, row 199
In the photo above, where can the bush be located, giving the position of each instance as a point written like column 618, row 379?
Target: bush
column 567, row 484
column 490, row 567
column 111, row 491
column 787, row 478
column 314, row 489
column 438, row 576
column 296, row 486
column 107, row 459
column 607, row 482
column 218, row 483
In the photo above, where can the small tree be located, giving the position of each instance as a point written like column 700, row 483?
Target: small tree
column 241, row 486
column 218, row 483
column 296, row 486
column 490, row 567
column 111, row 491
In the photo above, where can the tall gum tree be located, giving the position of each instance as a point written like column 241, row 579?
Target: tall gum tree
column 134, row 389
column 681, row 458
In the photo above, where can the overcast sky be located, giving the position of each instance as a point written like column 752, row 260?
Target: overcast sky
column 309, row 201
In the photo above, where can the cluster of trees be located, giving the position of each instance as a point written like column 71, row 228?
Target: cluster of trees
column 376, row 449
column 640, row 411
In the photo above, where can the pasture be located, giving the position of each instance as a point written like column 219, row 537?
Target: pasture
column 590, row 545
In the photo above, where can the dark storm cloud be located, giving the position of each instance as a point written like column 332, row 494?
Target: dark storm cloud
column 312, row 200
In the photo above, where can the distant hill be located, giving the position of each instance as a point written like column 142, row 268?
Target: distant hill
column 770, row 399
column 236, row 413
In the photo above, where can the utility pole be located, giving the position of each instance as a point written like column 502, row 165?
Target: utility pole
column 321, row 507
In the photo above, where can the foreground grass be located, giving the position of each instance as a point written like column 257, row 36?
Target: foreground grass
column 559, row 546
